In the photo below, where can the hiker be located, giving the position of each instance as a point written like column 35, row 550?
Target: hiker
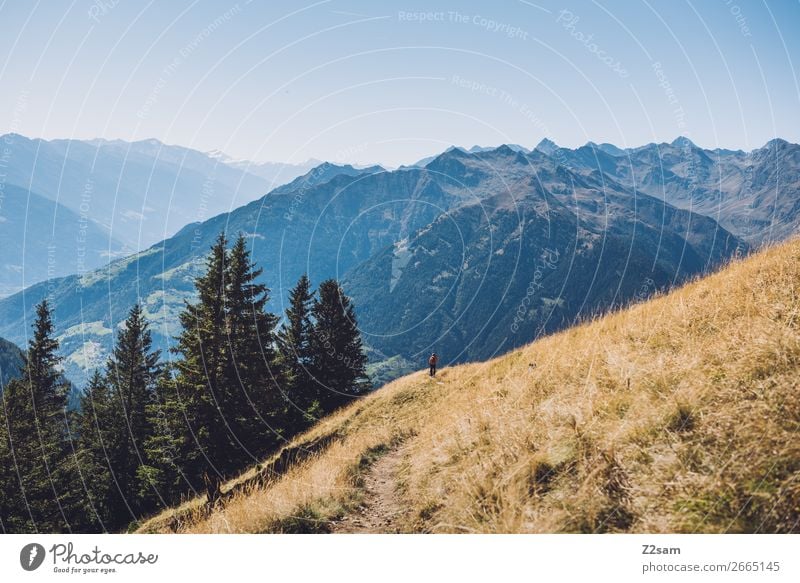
column 432, row 363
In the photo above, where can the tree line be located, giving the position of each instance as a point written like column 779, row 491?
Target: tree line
column 147, row 432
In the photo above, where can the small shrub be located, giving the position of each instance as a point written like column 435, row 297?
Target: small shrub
column 307, row 520
column 683, row 419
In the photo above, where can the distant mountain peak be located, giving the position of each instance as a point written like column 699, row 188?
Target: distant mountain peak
column 683, row 142
column 776, row 143
column 505, row 150
column 456, row 150
column 606, row 147
column 451, row 153
column 547, row 146
column 323, row 173
column 348, row 168
column 218, row 155
column 515, row 147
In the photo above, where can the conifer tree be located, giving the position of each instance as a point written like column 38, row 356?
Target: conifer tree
column 42, row 493
column 200, row 369
column 294, row 342
column 131, row 373
column 162, row 479
column 219, row 406
column 253, row 377
column 339, row 359
column 95, row 421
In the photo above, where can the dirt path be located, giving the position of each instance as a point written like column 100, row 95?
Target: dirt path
column 381, row 506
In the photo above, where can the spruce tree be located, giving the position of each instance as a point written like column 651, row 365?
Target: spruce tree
column 339, row 359
column 294, row 342
column 94, row 425
column 253, row 379
column 162, row 478
column 42, row 493
column 220, row 405
column 207, row 441
column 131, row 373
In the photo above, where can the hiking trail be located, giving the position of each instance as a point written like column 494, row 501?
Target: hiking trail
column 381, row 506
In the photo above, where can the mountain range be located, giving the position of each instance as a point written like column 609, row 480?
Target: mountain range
column 752, row 194
column 97, row 200
column 469, row 254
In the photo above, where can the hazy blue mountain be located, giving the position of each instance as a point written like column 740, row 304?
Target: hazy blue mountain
column 10, row 361
column 755, row 195
column 41, row 239
column 142, row 192
column 373, row 228
column 550, row 249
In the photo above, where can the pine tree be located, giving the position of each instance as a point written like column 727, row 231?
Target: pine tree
column 253, row 379
column 162, row 479
column 339, row 360
column 9, row 510
column 42, row 493
column 294, row 342
column 205, row 439
column 220, row 405
column 131, row 373
column 95, row 420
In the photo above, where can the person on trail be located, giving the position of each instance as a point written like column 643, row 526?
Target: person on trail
column 432, row 361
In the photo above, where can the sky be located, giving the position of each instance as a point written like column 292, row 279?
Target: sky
column 392, row 82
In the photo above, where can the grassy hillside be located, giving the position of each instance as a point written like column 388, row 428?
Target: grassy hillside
column 677, row 415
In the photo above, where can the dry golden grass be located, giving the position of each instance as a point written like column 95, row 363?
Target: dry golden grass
column 677, row 415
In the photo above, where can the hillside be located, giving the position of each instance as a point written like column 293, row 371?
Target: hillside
column 675, row 415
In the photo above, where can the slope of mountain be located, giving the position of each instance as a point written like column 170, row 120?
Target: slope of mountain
column 41, row 239
column 494, row 274
column 140, row 191
column 495, row 270
column 10, row 361
column 675, row 415
column 500, row 210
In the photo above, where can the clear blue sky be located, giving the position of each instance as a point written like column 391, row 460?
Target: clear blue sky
column 390, row 82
